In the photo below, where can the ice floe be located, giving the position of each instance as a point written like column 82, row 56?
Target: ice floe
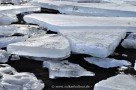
column 49, row 46
column 88, row 9
column 135, row 65
column 15, row 57
column 65, row 69
column 119, row 82
column 93, row 42
column 3, row 56
column 107, row 62
column 12, row 80
column 15, row 2
column 17, row 9
column 4, row 41
column 130, row 41
column 57, row 22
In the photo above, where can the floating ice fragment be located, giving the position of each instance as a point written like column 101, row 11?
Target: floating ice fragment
column 65, row 69
column 119, row 82
column 107, row 62
column 49, row 46
column 4, row 56
column 15, row 57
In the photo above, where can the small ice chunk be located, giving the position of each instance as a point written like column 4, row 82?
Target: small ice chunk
column 4, row 56
column 65, row 69
column 118, row 82
column 4, row 41
column 96, row 43
column 21, row 81
column 7, row 69
column 15, row 57
column 107, row 62
column 49, row 46
column 130, row 41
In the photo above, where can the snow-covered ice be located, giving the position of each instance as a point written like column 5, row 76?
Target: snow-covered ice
column 107, row 62
column 56, row 22
column 15, row 2
column 119, row 82
column 65, row 69
column 4, row 41
column 93, row 42
column 130, row 41
column 7, row 69
column 88, row 9
column 17, row 9
column 49, row 46
column 3, row 56
column 15, row 57
column 135, row 65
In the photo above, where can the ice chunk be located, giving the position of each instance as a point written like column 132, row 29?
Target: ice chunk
column 21, row 81
column 4, row 41
column 107, row 62
column 3, row 56
column 88, row 9
column 15, row 1
column 49, row 46
column 130, row 41
column 7, row 69
column 15, row 29
column 65, row 69
column 17, row 9
column 15, row 57
column 56, row 22
column 7, row 19
column 119, row 82
column 93, row 42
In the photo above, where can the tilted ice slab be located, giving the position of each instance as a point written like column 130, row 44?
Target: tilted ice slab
column 65, row 69
column 94, row 42
column 130, row 41
column 49, row 46
column 3, row 56
column 4, row 41
column 30, row 30
column 135, row 65
column 107, row 62
column 17, row 9
column 7, row 19
column 119, row 82
column 89, row 9
column 56, row 22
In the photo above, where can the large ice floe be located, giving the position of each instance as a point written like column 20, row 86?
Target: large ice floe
column 49, row 46
column 93, row 42
column 17, row 9
column 119, row 82
column 107, row 62
column 3, row 56
column 88, row 9
column 55, row 22
column 130, row 41
column 12, row 80
column 65, row 69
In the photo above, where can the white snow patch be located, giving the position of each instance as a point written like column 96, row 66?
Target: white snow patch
column 65, row 69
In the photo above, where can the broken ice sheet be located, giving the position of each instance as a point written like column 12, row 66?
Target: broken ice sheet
column 49, row 46
column 100, row 43
column 4, row 56
column 130, row 41
column 65, row 69
column 7, row 69
column 118, row 82
column 107, row 62
column 21, row 81
column 4, row 41
column 7, row 19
